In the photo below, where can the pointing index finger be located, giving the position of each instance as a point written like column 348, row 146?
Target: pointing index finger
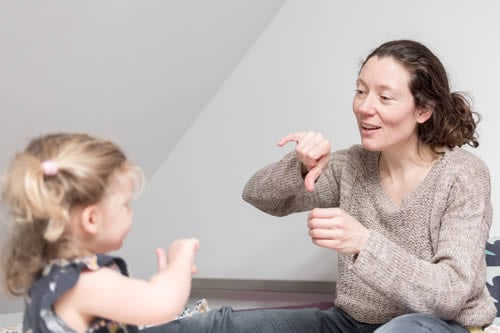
column 297, row 136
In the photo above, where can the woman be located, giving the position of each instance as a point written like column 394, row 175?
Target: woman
column 408, row 211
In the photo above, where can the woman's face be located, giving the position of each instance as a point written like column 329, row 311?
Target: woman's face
column 384, row 106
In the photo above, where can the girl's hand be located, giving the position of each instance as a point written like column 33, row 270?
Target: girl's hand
column 313, row 151
column 181, row 251
column 334, row 229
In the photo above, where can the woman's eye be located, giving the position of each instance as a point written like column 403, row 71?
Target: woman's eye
column 385, row 98
column 359, row 92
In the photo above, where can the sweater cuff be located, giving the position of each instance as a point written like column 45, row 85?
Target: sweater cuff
column 297, row 180
column 363, row 262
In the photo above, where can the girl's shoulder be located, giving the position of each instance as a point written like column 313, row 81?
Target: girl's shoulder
column 58, row 277
column 58, row 268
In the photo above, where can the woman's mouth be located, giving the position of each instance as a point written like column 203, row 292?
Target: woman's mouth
column 368, row 127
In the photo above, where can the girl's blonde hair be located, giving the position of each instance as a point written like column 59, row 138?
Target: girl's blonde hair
column 39, row 203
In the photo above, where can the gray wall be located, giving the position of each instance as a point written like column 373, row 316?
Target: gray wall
column 139, row 67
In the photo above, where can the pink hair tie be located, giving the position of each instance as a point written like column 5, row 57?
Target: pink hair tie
column 49, row 168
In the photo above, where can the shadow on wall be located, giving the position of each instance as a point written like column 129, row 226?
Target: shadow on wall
column 8, row 304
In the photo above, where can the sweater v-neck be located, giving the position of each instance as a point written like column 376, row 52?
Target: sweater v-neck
column 423, row 187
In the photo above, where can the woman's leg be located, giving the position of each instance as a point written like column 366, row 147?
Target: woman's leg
column 225, row 320
column 211, row 321
column 420, row 323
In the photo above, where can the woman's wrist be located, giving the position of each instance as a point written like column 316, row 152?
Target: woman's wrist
column 363, row 241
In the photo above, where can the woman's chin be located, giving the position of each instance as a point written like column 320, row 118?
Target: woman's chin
column 370, row 146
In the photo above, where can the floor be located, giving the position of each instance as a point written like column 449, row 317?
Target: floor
column 217, row 298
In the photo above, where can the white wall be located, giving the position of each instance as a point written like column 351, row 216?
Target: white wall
column 299, row 75
column 137, row 72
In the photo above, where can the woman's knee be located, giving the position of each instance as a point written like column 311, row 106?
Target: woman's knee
column 417, row 322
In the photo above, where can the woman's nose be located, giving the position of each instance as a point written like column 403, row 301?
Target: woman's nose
column 366, row 105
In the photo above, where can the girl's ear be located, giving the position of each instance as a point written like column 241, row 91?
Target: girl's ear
column 423, row 115
column 89, row 219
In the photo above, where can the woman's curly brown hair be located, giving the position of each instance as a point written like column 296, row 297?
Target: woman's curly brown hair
column 453, row 122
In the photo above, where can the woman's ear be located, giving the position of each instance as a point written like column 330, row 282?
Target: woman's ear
column 89, row 219
column 423, row 115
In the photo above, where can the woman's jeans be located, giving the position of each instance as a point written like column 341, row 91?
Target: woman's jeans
column 333, row 320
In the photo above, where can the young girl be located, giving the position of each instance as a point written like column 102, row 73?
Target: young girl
column 69, row 200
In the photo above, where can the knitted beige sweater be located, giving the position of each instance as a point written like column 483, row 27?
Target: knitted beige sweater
column 425, row 255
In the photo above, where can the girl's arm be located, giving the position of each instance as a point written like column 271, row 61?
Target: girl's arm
column 108, row 294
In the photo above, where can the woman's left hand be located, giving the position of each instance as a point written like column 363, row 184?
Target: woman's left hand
column 335, row 229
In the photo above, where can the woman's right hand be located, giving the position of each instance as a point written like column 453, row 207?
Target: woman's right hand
column 180, row 251
column 313, row 151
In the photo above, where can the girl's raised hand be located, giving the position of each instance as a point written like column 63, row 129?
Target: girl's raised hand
column 313, row 151
column 181, row 251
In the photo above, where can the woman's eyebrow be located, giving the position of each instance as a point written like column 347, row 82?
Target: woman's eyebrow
column 378, row 86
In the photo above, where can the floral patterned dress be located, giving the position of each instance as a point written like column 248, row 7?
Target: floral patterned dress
column 57, row 278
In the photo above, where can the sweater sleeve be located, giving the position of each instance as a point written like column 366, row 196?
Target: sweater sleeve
column 278, row 189
column 456, row 272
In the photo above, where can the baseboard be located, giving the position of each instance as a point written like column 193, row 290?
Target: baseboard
column 264, row 285
column 10, row 320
